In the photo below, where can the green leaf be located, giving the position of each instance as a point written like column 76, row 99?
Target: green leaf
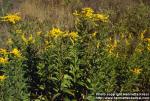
column 55, row 96
column 69, row 91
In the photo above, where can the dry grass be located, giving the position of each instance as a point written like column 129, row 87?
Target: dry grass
column 54, row 12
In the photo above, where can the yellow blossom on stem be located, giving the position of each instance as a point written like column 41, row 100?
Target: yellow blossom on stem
column 29, row 40
column 16, row 52
column 76, row 13
column 2, row 77
column 98, row 45
column 87, row 12
column 12, row 18
column 74, row 35
column 127, row 42
column 66, row 34
column 148, row 47
column 111, row 47
column 147, row 39
column 142, row 34
column 94, row 34
column 55, row 32
column 3, row 51
column 39, row 33
column 24, row 38
column 18, row 31
column 3, row 60
column 101, row 17
column 136, row 70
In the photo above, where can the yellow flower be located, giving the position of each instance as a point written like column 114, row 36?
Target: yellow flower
column 94, row 34
column 29, row 40
column 66, row 34
column 3, row 60
column 148, row 43
column 115, row 43
column 76, row 13
column 2, row 77
column 98, row 45
column 136, row 70
column 3, row 51
column 55, row 32
column 46, row 42
column 87, row 12
column 74, row 35
column 16, row 52
column 13, row 18
column 127, row 42
column 147, row 39
column 148, row 47
column 142, row 34
column 101, row 17
column 24, row 39
column 111, row 47
column 18, row 31
column 39, row 33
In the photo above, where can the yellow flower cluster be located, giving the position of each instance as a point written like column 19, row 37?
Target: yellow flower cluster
column 111, row 46
column 39, row 33
column 98, row 44
column 56, row 32
column 94, row 34
column 2, row 77
column 29, row 40
column 16, row 52
column 142, row 34
column 139, row 48
column 145, row 39
column 12, row 18
column 148, row 43
column 3, row 51
column 18, row 31
column 73, row 36
column 136, row 70
column 3, row 60
column 100, row 17
column 88, row 13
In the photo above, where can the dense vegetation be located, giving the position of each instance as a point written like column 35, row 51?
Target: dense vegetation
column 69, row 50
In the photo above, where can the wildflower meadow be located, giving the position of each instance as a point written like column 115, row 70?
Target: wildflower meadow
column 70, row 50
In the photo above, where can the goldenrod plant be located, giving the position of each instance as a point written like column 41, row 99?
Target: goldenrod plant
column 12, row 80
